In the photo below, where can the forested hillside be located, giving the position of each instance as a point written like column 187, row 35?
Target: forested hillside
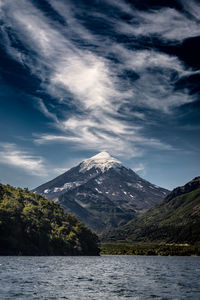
column 33, row 225
column 176, row 219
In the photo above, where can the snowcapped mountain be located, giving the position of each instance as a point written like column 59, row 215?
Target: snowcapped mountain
column 102, row 161
column 102, row 192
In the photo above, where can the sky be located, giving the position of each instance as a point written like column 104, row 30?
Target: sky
column 81, row 77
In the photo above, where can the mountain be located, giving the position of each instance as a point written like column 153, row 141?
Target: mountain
column 102, row 192
column 176, row 219
column 33, row 225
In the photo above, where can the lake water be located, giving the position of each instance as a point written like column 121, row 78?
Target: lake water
column 105, row 277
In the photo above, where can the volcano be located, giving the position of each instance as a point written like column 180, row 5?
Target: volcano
column 102, row 192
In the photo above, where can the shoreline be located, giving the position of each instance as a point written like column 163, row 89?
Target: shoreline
column 154, row 249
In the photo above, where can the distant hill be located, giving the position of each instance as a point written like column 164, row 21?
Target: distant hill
column 33, row 225
column 102, row 192
column 176, row 219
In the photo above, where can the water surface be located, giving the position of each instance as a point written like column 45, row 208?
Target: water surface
column 105, row 277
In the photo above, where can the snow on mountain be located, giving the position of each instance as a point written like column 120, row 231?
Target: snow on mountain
column 102, row 192
column 102, row 161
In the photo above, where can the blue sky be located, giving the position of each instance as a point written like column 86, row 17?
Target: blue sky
column 80, row 77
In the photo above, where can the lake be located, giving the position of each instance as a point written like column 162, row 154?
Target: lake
column 105, row 277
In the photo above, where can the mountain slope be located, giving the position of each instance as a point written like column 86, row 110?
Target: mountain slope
column 33, row 225
column 176, row 219
column 102, row 192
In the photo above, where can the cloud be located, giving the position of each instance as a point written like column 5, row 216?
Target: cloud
column 145, row 59
column 192, row 7
column 119, row 140
column 157, row 74
column 75, row 68
column 166, row 23
column 94, row 142
column 123, row 6
column 140, row 168
column 42, row 107
column 11, row 155
column 87, row 78
column 60, row 170
column 58, row 62
column 74, row 29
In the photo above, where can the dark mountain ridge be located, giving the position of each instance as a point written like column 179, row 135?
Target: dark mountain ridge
column 188, row 187
column 176, row 219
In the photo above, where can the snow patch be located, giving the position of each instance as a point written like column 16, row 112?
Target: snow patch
column 139, row 186
column 157, row 187
column 152, row 187
column 99, row 181
column 81, row 203
column 98, row 190
column 102, row 161
column 67, row 186
column 82, row 194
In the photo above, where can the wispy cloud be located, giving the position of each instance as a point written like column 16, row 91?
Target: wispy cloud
column 157, row 74
column 43, row 108
column 139, row 167
column 192, row 7
column 87, row 79
column 118, row 142
column 167, row 23
column 11, row 155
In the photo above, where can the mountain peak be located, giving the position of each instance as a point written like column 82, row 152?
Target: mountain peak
column 103, row 161
column 100, row 155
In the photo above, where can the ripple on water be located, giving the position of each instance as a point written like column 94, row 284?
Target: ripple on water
column 105, row 277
